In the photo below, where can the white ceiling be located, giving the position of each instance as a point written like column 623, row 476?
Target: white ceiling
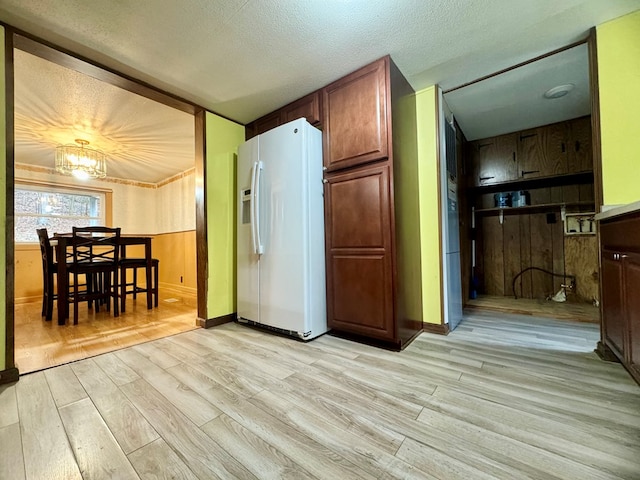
column 245, row 58
column 514, row 100
column 144, row 140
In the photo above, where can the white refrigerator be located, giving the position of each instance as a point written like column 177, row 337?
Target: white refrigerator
column 281, row 268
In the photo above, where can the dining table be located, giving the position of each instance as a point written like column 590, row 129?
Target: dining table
column 63, row 241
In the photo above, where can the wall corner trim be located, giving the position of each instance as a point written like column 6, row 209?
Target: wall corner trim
column 9, row 375
column 214, row 322
column 437, row 328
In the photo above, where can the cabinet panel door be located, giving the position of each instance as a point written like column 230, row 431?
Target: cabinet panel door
column 267, row 122
column 494, row 160
column 632, row 307
column 307, row 107
column 358, row 229
column 355, row 117
column 542, row 151
column 612, row 302
column 579, row 146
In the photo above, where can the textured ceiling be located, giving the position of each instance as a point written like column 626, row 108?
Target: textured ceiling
column 245, row 58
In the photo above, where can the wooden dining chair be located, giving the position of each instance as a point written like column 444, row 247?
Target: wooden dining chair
column 95, row 254
column 132, row 287
column 49, row 270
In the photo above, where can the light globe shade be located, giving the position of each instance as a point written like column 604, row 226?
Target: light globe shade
column 80, row 161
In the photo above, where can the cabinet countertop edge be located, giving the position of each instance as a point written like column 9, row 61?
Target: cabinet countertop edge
column 611, row 211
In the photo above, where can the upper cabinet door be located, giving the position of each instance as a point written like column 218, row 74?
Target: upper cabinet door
column 542, row 151
column 357, row 117
column 579, row 145
column 307, row 107
column 494, row 160
column 267, row 122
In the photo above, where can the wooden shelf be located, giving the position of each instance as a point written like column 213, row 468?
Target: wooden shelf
column 543, row 207
column 540, row 182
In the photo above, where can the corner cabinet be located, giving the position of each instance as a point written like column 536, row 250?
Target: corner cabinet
column 620, row 266
column 372, row 232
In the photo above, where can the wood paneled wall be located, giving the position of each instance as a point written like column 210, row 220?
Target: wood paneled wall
column 176, row 252
column 536, row 240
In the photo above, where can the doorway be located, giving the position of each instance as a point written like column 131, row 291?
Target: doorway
column 528, row 192
column 149, row 190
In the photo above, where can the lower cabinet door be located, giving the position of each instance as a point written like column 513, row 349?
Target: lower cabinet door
column 359, row 252
column 612, row 302
column 632, row 306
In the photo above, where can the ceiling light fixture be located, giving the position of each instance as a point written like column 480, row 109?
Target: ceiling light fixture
column 559, row 91
column 81, row 162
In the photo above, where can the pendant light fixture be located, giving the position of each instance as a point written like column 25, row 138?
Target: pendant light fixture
column 80, row 161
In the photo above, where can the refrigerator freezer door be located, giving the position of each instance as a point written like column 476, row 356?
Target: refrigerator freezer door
column 248, row 262
column 283, row 216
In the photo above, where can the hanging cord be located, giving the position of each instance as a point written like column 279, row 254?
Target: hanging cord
column 513, row 284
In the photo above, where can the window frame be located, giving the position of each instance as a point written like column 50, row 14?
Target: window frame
column 72, row 189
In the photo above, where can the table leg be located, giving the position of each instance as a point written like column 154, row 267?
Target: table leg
column 147, row 256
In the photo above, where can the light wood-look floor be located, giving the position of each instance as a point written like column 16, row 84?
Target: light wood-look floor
column 40, row 344
column 570, row 310
column 497, row 398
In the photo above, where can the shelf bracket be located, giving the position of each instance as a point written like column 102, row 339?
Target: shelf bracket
column 501, row 217
column 563, row 212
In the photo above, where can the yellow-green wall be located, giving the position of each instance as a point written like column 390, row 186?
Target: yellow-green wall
column 3, row 201
column 427, row 127
column 407, row 210
column 618, row 43
column 222, row 140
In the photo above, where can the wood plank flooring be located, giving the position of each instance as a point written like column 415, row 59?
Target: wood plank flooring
column 40, row 344
column 570, row 310
column 501, row 397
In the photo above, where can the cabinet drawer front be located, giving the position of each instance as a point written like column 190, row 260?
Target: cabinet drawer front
column 355, row 110
column 621, row 234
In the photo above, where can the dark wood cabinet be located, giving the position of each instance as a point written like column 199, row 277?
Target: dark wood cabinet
column 356, row 123
column 612, row 299
column 266, row 123
column 548, row 151
column 372, row 236
column 620, row 262
column 308, row 107
column 372, row 224
column 359, row 255
column 493, row 160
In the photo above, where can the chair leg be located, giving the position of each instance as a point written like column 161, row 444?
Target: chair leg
column 75, row 299
column 135, row 282
column 114, row 292
column 49, row 298
column 155, row 285
column 123, row 288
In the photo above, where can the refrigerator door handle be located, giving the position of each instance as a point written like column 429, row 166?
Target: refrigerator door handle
column 254, row 172
column 259, row 247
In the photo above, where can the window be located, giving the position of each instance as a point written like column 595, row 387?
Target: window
column 56, row 209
